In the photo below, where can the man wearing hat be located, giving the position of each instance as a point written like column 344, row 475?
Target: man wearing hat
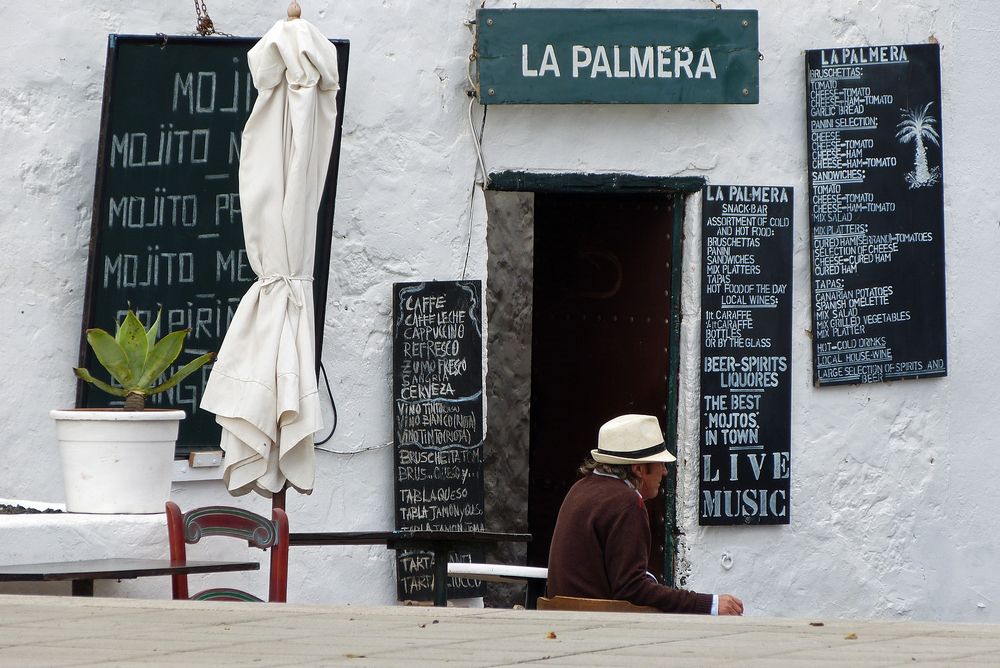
column 600, row 547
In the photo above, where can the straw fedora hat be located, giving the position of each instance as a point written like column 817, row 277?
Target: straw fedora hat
column 631, row 439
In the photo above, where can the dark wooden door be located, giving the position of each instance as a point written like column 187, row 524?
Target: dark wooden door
column 600, row 338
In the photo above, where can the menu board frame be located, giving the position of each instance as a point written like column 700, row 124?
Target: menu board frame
column 438, row 431
column 167, row 234
column 746, row 355
column 876, row 210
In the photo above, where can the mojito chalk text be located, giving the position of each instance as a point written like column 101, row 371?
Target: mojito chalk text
column 168, row 225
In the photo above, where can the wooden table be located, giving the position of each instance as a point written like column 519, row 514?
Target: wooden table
column 438, row 542
column 83, row 573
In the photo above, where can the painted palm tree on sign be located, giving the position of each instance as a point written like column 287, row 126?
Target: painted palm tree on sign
column 917, row 126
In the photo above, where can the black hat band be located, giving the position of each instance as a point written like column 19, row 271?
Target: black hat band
column 636, row 454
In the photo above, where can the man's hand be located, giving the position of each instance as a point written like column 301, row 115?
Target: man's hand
column 730, row 605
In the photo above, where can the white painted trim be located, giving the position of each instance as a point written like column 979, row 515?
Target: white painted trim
column 497, row 572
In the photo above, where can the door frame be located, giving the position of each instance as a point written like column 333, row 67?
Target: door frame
column 676, row 188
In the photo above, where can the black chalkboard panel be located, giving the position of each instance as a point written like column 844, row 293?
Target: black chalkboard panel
column 437, row 383
column 167, row 231
column 746, row 355
column 876, row 209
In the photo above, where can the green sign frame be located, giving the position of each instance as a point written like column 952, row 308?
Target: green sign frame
column 617, row 56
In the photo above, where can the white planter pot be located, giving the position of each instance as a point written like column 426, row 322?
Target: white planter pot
column 117, row 461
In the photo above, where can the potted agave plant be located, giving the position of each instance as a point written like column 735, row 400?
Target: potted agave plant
column 121, row 460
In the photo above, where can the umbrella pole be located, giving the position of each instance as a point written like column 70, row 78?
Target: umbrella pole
column 278, row 499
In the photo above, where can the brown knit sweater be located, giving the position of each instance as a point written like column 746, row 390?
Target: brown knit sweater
column 600, row 549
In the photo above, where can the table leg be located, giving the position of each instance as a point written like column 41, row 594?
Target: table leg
column 441, row 576
column 83, row 587
column 534, row 589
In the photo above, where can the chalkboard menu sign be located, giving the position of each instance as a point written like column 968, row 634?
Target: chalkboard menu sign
column 746, row 355
column 876, row 210
column 167, row 233
column 438, row 417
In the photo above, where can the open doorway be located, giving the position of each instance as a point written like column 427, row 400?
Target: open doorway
column 583, row 297
column 600, row 347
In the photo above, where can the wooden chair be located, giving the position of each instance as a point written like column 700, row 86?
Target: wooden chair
column 192, row 526
column 590, row 604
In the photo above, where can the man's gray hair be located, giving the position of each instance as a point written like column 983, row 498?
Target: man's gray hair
column 623, row 471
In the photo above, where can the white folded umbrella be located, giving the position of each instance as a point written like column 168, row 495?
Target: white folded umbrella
column 263, row 386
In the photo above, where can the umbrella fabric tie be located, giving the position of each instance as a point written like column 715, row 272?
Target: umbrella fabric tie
column 267, row 281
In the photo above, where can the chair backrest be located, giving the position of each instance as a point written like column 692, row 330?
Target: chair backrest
column 590, row 604
column 258, row 531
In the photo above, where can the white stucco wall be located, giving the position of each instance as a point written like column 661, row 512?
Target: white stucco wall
column 892, row 485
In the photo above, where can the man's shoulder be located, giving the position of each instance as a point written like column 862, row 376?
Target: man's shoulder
column 613, row 491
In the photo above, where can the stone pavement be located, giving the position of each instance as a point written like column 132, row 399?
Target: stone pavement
column 64, row 631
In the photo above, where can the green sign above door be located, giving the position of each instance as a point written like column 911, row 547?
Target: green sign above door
column 617, row 56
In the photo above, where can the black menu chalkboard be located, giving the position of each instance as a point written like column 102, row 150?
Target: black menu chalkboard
column 876, row 209
column 437, row 338
column 167, row 231
column 746, row 355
